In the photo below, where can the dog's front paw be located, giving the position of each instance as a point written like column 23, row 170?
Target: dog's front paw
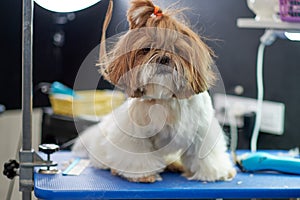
column 213, row 174
column 214, row 167
column 229, row 176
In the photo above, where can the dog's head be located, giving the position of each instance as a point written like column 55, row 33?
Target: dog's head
column 159, row 57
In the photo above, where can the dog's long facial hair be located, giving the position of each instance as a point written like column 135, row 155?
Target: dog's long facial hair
column 159, row 57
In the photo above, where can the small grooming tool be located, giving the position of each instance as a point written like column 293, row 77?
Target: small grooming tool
column 58, row 88
column 261, row 161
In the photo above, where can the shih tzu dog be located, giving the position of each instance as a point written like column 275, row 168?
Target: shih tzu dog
column 168, row 120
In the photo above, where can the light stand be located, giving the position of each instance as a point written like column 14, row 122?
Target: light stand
column 28, row 158
column 26, row 152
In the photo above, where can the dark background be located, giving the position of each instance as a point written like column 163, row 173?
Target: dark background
column 236, row 50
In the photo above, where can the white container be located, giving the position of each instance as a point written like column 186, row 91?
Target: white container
column 265, row 10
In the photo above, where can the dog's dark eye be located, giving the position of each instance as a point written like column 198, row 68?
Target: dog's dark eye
column 146, row 50
column 176, row 51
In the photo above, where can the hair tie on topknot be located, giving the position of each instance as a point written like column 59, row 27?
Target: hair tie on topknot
column 157, row 11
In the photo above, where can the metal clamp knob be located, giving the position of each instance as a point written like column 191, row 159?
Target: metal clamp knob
column 48, row 149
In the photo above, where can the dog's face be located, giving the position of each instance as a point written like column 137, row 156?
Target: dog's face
column 159, row 57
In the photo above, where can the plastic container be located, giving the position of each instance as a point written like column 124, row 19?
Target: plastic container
column 290, row 10
column 89, row 102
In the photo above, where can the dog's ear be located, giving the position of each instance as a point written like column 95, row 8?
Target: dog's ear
column 115, row 70
column 204, row 76
column 120, row 72
column 199, row 62
column 139, row 13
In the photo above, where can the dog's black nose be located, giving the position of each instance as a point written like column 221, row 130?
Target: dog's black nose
column 164, row 60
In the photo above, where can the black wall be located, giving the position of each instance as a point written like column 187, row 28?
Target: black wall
column 236, row 50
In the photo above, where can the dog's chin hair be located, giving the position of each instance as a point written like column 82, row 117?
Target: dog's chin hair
column 153, row 84
column 156, row 86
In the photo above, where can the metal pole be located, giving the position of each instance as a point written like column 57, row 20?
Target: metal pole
column 26, row 155
column 26, row 195
column 27, row 73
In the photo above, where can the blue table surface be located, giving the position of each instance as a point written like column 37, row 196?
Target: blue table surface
column 100, row 184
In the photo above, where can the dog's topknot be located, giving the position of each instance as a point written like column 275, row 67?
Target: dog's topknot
column 140, row 12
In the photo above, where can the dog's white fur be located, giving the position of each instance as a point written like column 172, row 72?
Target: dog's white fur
column 121, row 141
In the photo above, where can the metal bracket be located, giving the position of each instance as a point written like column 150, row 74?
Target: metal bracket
column 29, row 160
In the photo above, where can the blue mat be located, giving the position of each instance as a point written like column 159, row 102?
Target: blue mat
column 100, row 184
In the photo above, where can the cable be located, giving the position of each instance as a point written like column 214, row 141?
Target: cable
column 68, row 144
column 267, row 39
column 10, row 189
column 12, row 182
column 260, row 95
column 233, row 133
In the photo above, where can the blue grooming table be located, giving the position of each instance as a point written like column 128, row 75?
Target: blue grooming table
column 100, row 184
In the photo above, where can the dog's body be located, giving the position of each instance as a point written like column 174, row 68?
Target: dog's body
column 140, row 151
column 166, row 69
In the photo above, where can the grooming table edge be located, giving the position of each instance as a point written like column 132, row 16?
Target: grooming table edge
column 100, row 184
